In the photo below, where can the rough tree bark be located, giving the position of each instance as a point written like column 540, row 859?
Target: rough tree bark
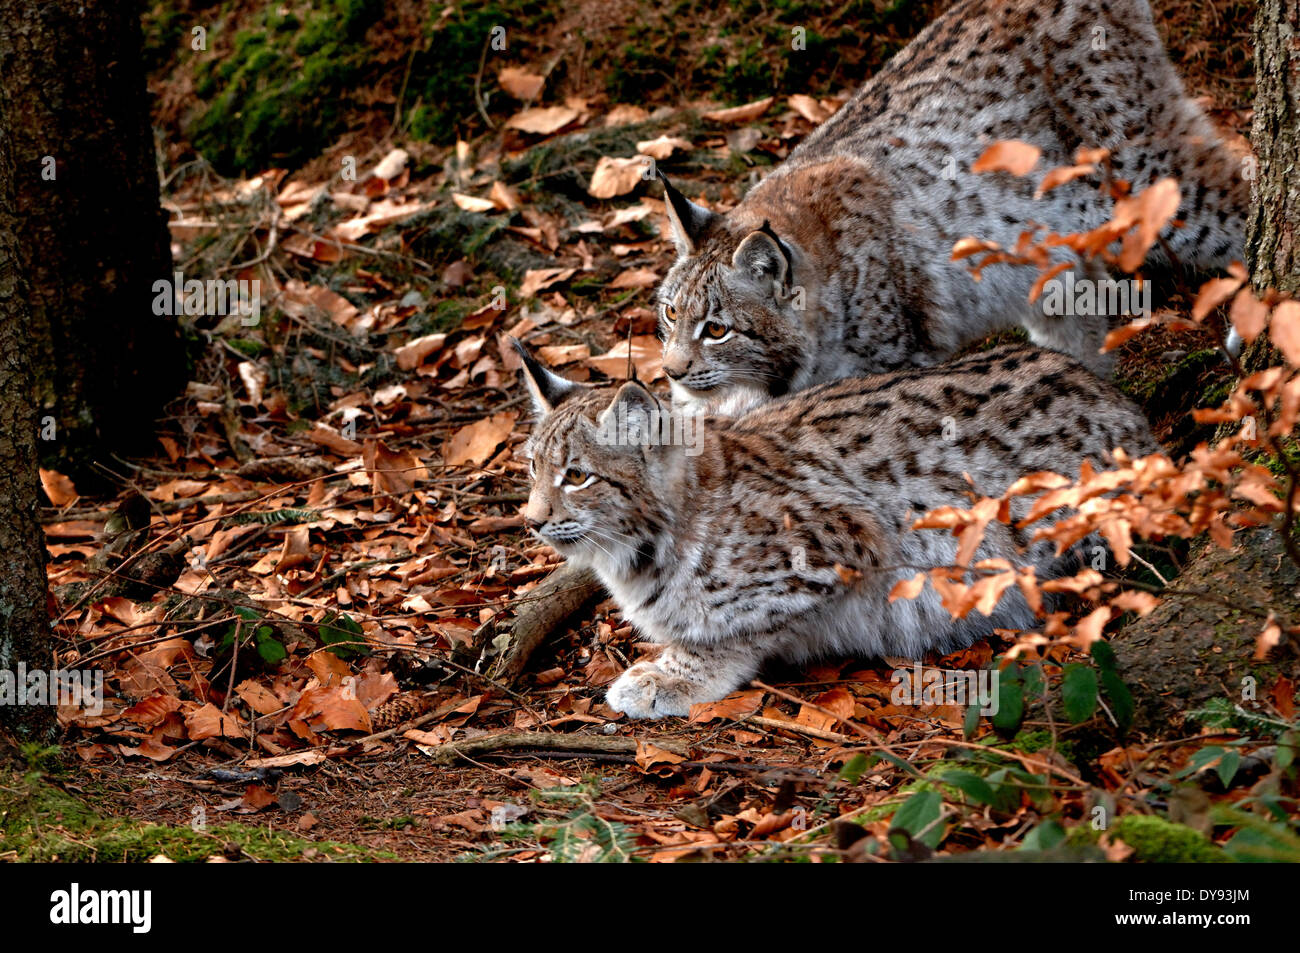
column 1200, row 643
column 24, row 626
column 92, row 235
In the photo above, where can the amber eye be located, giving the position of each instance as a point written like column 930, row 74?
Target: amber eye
column 715, row 329
column 671, row 312
column 574, row 477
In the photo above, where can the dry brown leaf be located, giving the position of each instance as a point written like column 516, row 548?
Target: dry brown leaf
column 809, row 108
column 736, row 705
column 740, row 114
column 662, row 147
column 57, row 487
column 647, row 358
column 542, row 121
column 539, row 279
column 520, row 83
column 615, row 176
column 210, row 722
column 474, row 445
column 469, row 203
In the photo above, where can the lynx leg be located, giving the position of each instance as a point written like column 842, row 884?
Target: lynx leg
column 682, row 676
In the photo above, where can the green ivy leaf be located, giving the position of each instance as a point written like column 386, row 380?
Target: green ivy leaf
column 1011, row 707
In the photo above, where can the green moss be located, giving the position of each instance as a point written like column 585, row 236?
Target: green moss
column 1155, row 841
column 40, row 822
column 282, row 94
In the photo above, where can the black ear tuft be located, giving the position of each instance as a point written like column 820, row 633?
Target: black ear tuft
column 547, row 388
column 689, row 221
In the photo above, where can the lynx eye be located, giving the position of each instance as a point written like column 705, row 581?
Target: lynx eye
column 575, row 477
column 670, row 312
column 715, row 329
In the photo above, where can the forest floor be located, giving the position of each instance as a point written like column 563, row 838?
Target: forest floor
column 285, row 597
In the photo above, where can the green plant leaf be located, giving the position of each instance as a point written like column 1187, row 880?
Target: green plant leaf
column 919, row 813
column 1121, row 699
column 1079, row 692
column 972, row 785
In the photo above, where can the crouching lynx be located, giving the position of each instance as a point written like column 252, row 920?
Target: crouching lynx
column 839, row 262
column 780, row 534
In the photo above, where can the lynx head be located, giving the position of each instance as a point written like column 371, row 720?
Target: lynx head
column 602, row 484
column 730, row 315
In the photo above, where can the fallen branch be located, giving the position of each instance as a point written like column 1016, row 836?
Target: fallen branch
column 540, row 613
column 545, row 741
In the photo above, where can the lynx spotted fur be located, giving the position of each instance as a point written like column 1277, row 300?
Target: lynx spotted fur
column 839, row 262
column 779, row 534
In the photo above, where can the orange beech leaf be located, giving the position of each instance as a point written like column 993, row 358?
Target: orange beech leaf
column 1268, row 639
column 1248, row 315
column 1284, row 330
column 1089, row 628
column 1212, row 294
column 1010, row 155
column 1132, row 600
column 1061, row 175
column 907, row 588
column 1125, row 331
column 736, row 705
column 1147, row 214
column 1037, row 289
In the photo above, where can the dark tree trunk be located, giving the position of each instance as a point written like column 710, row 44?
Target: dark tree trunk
column 1200, row 643
column 24, row 626
column 92, row 235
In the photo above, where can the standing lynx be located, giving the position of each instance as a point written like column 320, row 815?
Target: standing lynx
column 839, row 262
column 781, row 533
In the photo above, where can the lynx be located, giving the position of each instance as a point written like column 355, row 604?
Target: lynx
column 839, row 262
column 780, row 533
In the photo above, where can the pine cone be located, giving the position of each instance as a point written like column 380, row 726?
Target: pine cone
column 396, row 710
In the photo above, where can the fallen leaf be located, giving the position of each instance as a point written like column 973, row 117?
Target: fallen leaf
column 740, row 114
column 474, row 445
column 615, row 176
column 57, row 487
column 520, row 83
column 542, row 122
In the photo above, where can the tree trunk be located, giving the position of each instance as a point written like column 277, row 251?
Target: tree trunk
column 92, row 236
column 24, row 626
column 1200, row 643
column 1271, row 237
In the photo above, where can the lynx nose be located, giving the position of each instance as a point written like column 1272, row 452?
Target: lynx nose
column 676, row 367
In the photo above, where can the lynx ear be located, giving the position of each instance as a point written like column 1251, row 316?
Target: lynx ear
column 763, row 258
column 689, row 221
column 548, row 389
column 632, row 417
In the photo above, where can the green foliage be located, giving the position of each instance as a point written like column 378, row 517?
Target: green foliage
column 342, row 635
column 283, row 93
column 1157, row 841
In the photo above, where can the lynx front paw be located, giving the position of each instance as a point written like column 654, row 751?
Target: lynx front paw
column 646, row 691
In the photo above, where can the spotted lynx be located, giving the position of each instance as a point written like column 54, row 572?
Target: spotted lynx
column 779, row 534
column 839, row 262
